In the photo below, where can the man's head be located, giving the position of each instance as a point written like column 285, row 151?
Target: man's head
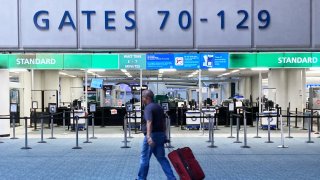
column 147, row 96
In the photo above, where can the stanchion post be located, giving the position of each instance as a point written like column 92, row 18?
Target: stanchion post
column 135, row 122
column 289, row 125
column 211, row 132
column 209, row 128
column 13, row 127
column 303, row 119
column 125, row 134
column 76, row 118
column 51, row 124
column 35, row 120
column 309, row 131
column 269, row 131
column 282, row 136
column 42, row 141
column 26, row 134
column 231, row 127
column 257, row 128
column 169, row 131
column 87, row 131
column 92, row 124
column 238, row 129
column 296, row 119
column 129, row 124
column 64, row 120
column 245, row 131
column 318, row 126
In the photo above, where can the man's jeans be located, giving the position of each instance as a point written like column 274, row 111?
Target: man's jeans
column 159, row 152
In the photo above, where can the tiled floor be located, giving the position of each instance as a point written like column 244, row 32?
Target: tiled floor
column 104, row 159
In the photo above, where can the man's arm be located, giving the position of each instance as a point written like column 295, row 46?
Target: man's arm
column 149, row 128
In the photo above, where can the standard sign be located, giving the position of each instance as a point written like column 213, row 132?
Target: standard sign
column 159, row 24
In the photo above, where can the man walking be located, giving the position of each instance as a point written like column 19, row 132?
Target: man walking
column 153, row 127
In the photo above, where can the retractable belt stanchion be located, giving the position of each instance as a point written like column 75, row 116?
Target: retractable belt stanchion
column 13, row 127
column 303, row 119
column 51, row 124
column 202, row 120
column 245, row 131
column 26, row 134
column 64, row 120
column 296, row 119
column 282, row 136
column 87, row 131
column 269, row 130
column 209, row 128
column 129, row 125
column 318, row 126
column 231, row 126
column 35, row 120
column 135, row 122
column 216, row 122
column 311, row 120
column 309, row 131
column 238, row 129
column 211, row 132
column 92, row 124
column 125, row 134
column 77, row 133
column 42, row 141
column 257, row 121
column 289, row 125
column 169, row 132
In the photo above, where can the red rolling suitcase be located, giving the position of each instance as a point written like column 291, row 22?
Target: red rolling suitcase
column 186, row 164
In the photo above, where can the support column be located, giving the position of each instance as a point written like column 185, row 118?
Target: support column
column 5, row 102
column 296, row 88
column 278, row 79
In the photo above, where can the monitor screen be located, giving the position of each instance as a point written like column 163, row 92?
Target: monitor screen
column 96, row 83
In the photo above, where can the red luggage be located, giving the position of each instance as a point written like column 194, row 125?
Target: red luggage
column 186, row 164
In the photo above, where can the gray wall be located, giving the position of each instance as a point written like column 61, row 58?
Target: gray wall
column 294, row 25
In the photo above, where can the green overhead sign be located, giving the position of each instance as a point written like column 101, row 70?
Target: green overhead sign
column 274, row 60
column 59, row 61
column 132, row 61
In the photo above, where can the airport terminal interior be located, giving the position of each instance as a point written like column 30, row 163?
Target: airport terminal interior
column 238, row 82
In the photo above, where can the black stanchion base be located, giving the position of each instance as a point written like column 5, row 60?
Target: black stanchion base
column 295, row 127
column 231, row 137
column 26, row 148
column 124, row 147
column 212, row 146
column 303, row 129
column 237, row 142
column 245, row 147
column 87, row 142
column 14, row 138
column 93, row 138
column 52, row 138
column 42, row 142
column 1, row 142
column 268, row 142
column 316, row 133
column 77, row 147
column 256, row 137
column 289, row 137
column 309, row 141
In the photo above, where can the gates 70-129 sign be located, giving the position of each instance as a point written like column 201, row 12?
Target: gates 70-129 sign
column 221, row 25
